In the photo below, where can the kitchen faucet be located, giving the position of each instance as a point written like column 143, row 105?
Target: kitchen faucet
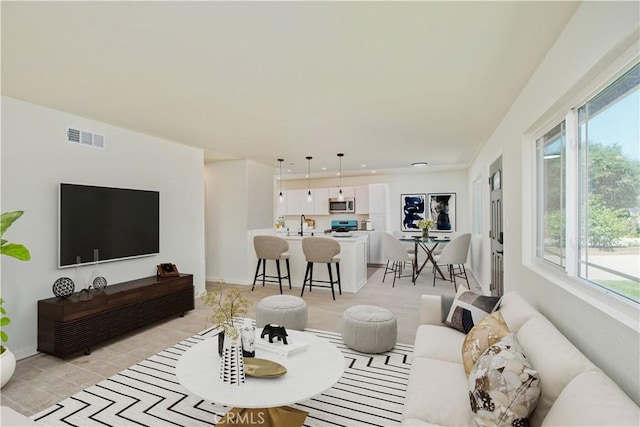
column 302, row 218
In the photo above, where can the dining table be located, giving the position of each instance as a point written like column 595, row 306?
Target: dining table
column 428, row 245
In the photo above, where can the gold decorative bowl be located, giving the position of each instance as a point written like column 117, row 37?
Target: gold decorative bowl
column 263, row 368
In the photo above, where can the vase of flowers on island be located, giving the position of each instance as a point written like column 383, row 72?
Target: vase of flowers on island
column 225, row 309
column 425, row 225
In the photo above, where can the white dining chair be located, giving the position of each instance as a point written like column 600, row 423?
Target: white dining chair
column 454, row 255
column 408, row 246
column 396, row 254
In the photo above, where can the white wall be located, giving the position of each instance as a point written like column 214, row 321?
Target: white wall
column 597, row 33
column 239, row 198
column 431, row 182
column 36, row 157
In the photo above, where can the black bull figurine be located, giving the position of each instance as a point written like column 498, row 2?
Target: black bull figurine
column 275, row 331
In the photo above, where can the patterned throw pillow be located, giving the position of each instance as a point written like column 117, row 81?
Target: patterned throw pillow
column 468, row 309
column 503, row 387
column 486, row 333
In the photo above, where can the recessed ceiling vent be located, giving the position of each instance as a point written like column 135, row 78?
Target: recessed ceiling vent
column 84, row 137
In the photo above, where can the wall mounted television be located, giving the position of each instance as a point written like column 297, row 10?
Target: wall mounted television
column 120, row 223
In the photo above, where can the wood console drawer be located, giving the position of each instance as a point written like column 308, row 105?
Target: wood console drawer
column 71, row 325
column 167, row 287
column 72, row 308
column 125, row 298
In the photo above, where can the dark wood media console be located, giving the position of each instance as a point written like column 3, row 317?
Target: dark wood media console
column 70, row 325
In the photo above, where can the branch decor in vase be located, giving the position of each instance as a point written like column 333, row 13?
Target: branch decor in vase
column 225, row 311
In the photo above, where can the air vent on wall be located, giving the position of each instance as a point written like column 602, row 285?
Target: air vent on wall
column 85, row 138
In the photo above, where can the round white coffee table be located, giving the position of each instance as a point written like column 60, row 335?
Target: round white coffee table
column 309, row 373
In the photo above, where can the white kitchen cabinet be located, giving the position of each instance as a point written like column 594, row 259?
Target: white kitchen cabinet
column 362, row 199
column 376, row 254
column 294, row 202
column 379, row 217
column 308, row 206
column 281, row 207
column 321, row 201
column 367, row 234
column 297, row 203
column 346, row 192
column 378, row 198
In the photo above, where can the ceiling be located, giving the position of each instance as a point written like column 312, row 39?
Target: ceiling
column 386, row 83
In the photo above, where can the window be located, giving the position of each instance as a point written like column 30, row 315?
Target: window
column 597, row 207
column 550, row 153
column 609, row 187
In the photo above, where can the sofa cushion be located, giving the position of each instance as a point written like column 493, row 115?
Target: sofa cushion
column 516, row 310
column 438, row 342
column 469, row 308
column 487, row 332
column 556, row 359
column 593, row 399
column 437, row 393
column 503, row 386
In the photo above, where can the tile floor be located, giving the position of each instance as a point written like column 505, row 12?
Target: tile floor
column 43, row 380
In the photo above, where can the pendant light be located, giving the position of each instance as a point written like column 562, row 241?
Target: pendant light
column 340, row 195
column 280, row 196
column 309, row 197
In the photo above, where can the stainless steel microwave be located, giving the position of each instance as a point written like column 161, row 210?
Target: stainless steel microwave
column 348, row 205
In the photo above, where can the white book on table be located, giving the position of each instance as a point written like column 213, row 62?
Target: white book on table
column 279, row 347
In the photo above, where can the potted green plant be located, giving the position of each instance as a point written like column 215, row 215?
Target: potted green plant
column 20, row 252
column 424, row 225
column 4, row 320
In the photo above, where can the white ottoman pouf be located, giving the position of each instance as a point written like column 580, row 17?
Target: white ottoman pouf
column 369, row 329
column 284, row 310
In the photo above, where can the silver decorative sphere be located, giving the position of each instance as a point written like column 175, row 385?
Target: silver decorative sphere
column 63, row 287
column 99, row 283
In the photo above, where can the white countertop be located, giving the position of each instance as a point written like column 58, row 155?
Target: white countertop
column 352, row 238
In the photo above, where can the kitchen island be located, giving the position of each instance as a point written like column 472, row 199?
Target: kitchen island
column 353, row 262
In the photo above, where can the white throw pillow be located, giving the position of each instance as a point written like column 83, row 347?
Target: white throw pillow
column 503, row 386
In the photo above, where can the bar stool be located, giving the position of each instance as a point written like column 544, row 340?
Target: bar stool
column 321, row 250
column 273, row 248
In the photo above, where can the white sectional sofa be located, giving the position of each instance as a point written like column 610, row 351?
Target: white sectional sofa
column 574, row 392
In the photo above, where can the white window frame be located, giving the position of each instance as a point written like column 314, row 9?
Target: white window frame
column 539, row 222
column 619, row 308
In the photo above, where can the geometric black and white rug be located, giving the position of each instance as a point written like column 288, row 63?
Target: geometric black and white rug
column 370, row 393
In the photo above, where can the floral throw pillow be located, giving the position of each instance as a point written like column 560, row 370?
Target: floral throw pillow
column 487, row 332
column 503, row 386
column 469, row 308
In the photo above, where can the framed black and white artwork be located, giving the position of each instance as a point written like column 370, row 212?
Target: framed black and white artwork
column 413, row 210
column 442, row 210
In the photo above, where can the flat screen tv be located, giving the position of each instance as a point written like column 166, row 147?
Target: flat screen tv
column 117, row 222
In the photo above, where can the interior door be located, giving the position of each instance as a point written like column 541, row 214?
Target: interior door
column 495, row 233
